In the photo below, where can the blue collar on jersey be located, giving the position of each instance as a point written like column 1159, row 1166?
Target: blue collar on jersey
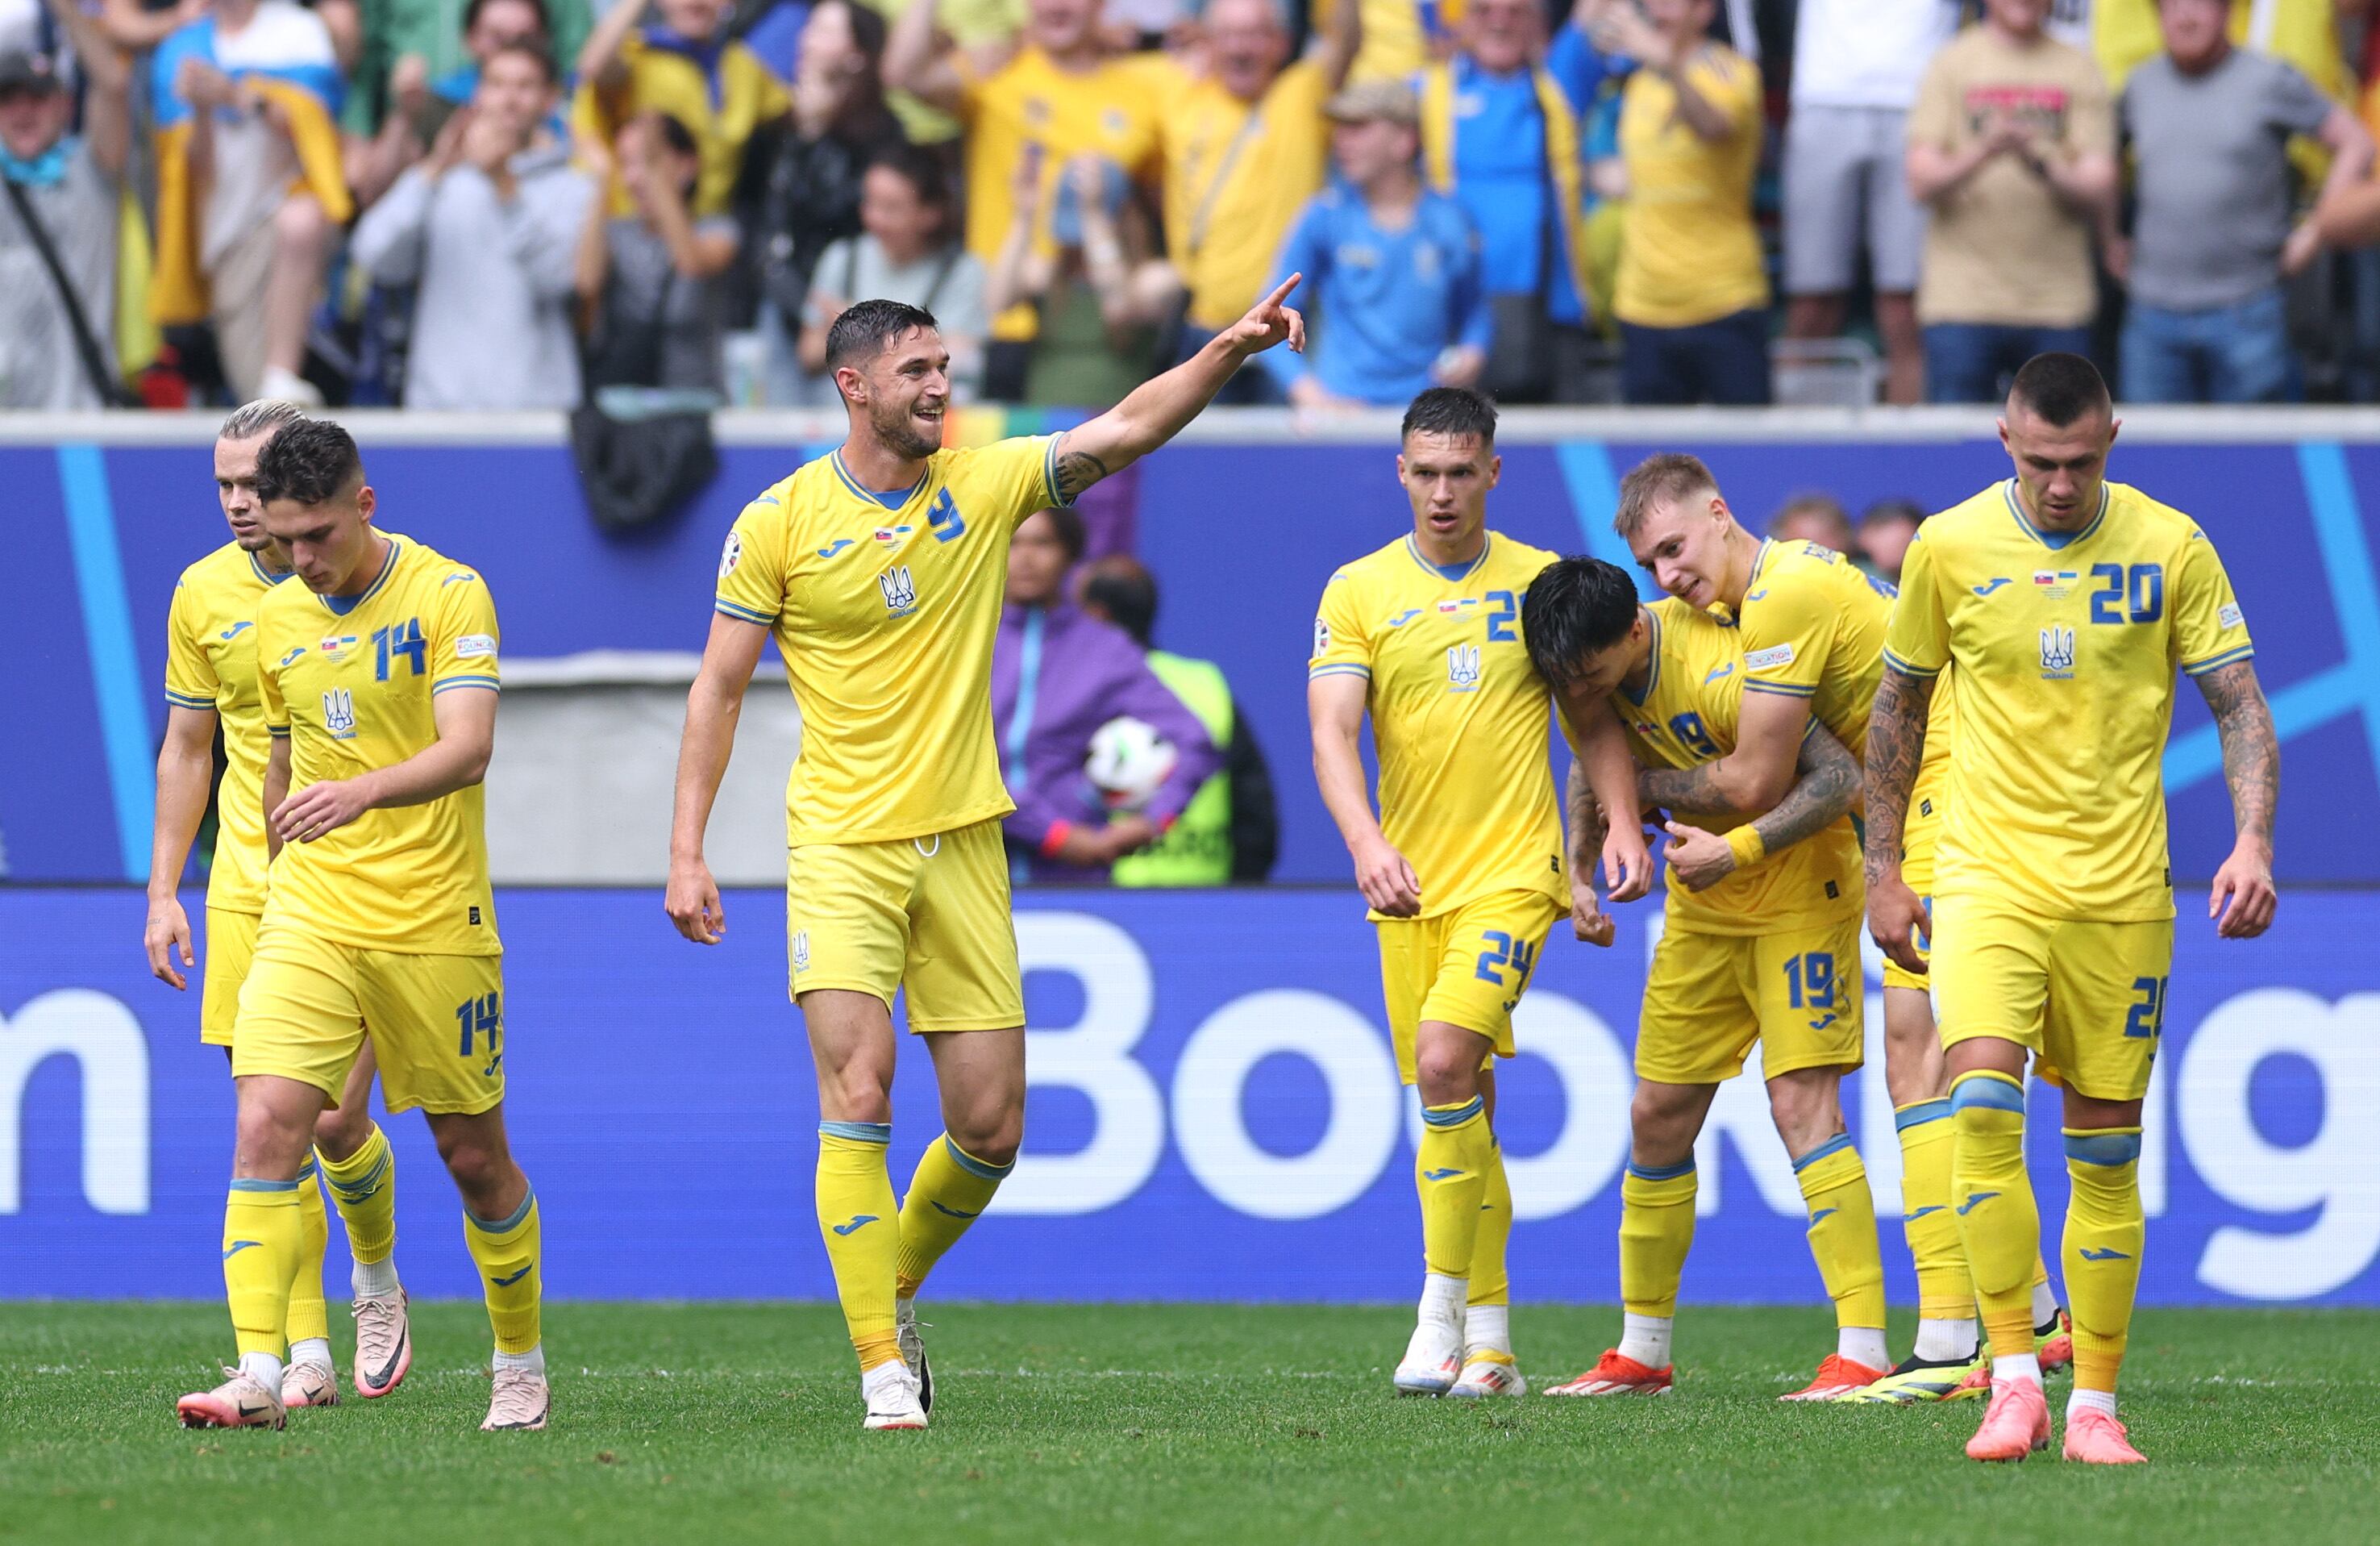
column 1452, row 571
column 267, row 575
column 1653, row 675
column 2053, row 540
column 345, row 604
column 892, row 501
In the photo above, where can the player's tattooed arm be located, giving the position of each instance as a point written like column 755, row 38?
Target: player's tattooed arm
column 1586, row 823
column 1895, row 744
column 1078, row 470
column 1826, row 784
column 1696, row 789
column 2252, row 752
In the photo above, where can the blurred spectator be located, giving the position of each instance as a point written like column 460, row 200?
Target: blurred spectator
column 1057, row 676
column 1500, row 134
column 2209, row 126
column 250, row 191
column 809, row 171
column 418, row 103
column 684, row 65
column 1885, row 529
column 1246, row 145
column 2012, row 147
column 909, row 252
column 58, row 229
column 1230, row 832
column 488, row 229
column 1856, row 64
column 1102, row 296
column 652, row 278
column 2125, row 34
column 1692, row 296
column 1392, row 290
column 985, row 30
column 1813, row 517
column 1399, row 36
column 1063, row 93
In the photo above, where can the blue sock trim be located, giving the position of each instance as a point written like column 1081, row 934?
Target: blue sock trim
column 306, row 1171
column 857, row 1132
column 974, row 1167
column 251, row 1184
column 1454, row 1116
column 2108, row 1148
column 364, row 1186
column 504, row 1226
column 1919, row 1113
column 1835, row 1145
column 1992, row 1090
column 1661, row 1172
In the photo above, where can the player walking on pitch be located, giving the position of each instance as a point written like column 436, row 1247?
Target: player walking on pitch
column 377, row 678
column 1463, row 868
column 879, row 568
column 210, row 679
column 2066, row 602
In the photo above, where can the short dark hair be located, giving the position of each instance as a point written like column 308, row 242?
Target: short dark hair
column 1452, row 411
column 1658, row 479
column 1068, row 525
column 1120, row 586
column 2060, row 388
column 1886, row 511
column 311, row 461
column 536, row 54
column 865, row 330
column 1576, row 607
column 472, row 15
column 914, row 165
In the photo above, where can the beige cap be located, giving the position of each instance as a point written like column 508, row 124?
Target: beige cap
column 1374, row 100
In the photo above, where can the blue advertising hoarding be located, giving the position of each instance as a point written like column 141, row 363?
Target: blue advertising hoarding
column 1213, row 1113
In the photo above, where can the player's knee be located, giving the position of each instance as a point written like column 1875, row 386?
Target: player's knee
column 340, row 1130
column 271, row 1141
column 857, row 1093
column 1447, row 1069
column 994, row 1143
column 480, row 1162
column 1806, row 1107
column 1662, row 1123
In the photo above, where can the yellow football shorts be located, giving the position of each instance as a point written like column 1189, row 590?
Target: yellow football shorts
column 2087, row 997
column 1708, row 998
column 230, row 944
column 437, row 1021
column 1467, row 966
column 930, row 914
column 1917, row 844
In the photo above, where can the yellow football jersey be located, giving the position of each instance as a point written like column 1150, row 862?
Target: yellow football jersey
column 1813, row 627
column 210, row 663
column 1460, row 718
column 349, row 681
column 1687, row 716
column 885, row 607
column 2066, row 647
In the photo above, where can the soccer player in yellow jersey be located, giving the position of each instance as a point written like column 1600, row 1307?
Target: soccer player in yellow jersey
column 880, row 569
column 1812, row 629
column 2066, row 604
column 378, row 676
column 1463, row 865
column 210, row 679
column 1760, row 944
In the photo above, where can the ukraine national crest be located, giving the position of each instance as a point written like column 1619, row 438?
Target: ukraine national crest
column 339, row 714
column 900, row 590
column 2058, row 653
column 1461, row 667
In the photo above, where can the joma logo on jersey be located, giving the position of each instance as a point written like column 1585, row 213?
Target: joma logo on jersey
column 900, row 590
column 1461, row 667
column 339, row 714
column 2058, row 654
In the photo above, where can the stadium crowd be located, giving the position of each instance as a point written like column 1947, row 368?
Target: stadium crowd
column 495, row 204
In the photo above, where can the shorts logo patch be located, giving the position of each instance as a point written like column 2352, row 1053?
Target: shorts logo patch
column 2228, row 615
column 1833, row 891
column 2058, row 653
column 1763, row 660
column 730, row 554
column 474, row 917
column 339, row 714
column 1926, row 808
column 801, row 950
column 900, row 590
column 1462, row 668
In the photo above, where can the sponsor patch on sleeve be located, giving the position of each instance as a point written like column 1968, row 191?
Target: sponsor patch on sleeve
column 2228, row 615
column 1321, row 637
column 472, row 644
column 732, row 554
column 1764, row 660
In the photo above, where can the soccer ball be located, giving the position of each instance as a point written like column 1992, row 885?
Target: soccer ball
column 1128, row 760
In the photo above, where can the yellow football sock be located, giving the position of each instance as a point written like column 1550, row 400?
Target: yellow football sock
column 308, row 1316
column 2104, row 1229
column 1450, row 1172
column 1490, row 1284
column 1944, row 1290
column 1842, row 1231
column 1657, row 1228
column 862, row 1232
column 363, row 1186
column 1999, row 1222
column 507, row 1253
column 950, row 1188
column 264, row 1234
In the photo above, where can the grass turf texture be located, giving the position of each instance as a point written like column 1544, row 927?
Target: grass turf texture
column 706, row 1424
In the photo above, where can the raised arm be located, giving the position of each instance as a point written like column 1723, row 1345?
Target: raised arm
column 1335, row 47
column 712, row 709
column 1158, row 408
column 1335, row 706
column 465, row 722
column 917, row 62
column 185, row 771
column 1825, row 784
column 107, row 105
column 600, row 64
column 2243, row 899
column 1896, row 745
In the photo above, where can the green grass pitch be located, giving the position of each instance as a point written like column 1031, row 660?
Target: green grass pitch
column 699, row 1424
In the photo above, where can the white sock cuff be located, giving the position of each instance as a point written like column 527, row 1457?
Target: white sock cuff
column 1442, row 1296
column 2090, row 1401
column 2016, row 1365
column 374, row 1280
column 315, row 1350
column 533, row 1360
column 1487, row 1326
column 262, row 1368
column 1646, row 1338
column 1862, row 1344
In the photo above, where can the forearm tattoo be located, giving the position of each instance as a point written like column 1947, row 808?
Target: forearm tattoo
column 1696, row 789
column 1895, row 744
column 1827, row 784
column 1078, row 471
column 1586, row 825
column 2252, row 752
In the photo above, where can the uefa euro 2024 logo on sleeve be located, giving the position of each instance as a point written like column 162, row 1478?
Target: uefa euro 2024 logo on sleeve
column 900, row 590
column 2058, row 653
column 339, row 714
column 1461, row 667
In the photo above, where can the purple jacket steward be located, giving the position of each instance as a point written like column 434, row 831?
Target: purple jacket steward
column 1057, row 675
